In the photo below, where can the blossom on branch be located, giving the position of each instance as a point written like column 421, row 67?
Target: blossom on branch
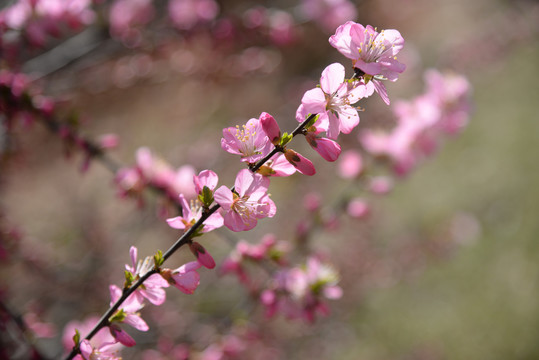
column 250, row 141
column 248, row 203
column 333, row 102
column 153, row 286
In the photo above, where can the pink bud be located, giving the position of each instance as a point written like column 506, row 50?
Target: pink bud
column 203, row 257
column 205, row 178
column 122, row 337
column 328, row 149
column 271, row 128
column 302, row 164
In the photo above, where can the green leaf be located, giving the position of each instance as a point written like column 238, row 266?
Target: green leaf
column 207, row 196
column 158, row 259
column 285, row 139
column 76, row 337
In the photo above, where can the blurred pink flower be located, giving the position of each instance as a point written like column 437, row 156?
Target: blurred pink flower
column 185, row 14
column 248, row 203
column 350, row 165
column 357, row 208
column 328, row 13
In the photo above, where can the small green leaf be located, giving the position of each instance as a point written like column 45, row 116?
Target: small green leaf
column 76, row 337
column 128, row 279
column 119, row 316
column 207, row 196
column 285, row 139
column 158, row 259
column 312, row 121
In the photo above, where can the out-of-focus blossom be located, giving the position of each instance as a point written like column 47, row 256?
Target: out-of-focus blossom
column 185, row 14
column 328, row 13
column 333, row 102
column 248, row 203
column 126, row 15
column 350, row 165
column 357, row 208
column 421, row 122
column 281, row 27
column 103, row 343
column 39, row 328
column 312, row 201
column 250, row 141
column 381, row 185
column 298, row 292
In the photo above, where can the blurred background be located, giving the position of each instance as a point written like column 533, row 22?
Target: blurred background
column 445, row 267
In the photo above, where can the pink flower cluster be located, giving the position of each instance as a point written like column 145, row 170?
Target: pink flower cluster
column 269, row 250
column 299, row 292
column 106, row 345
column 32, row 21
column 444, row 108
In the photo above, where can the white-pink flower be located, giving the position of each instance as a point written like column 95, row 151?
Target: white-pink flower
column 333, row 102
column 248, row 203
column 185, row 278
column 250, row 141
column 191, row 212
column 371, row 51
column 153, row 286
column 129, row 310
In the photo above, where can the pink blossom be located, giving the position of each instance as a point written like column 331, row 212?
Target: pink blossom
column 371, row 51
column 191, row 213
column 153, row 286
column 102, row 344
column 153, row 168
column 125, row 15
column 128, row 313
column 250, row 141
column 278, row 165
column 301, row 163
column 298, row 292
column 103, row 352
column 185, row 278
column 185, row 14
column 182, row 182
column 333, row 102
column 451, row 92
column 206, row 178
column 312, row 201
column 350, row 165
column 328, row 13
column 248, row 203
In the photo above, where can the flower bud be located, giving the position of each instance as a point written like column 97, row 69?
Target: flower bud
column 271, row 128
column 203, row 257
column 302, row 164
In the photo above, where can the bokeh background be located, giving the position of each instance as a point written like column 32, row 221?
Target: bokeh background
column 446, row 266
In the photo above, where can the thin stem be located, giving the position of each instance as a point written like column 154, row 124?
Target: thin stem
column 184, row 239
